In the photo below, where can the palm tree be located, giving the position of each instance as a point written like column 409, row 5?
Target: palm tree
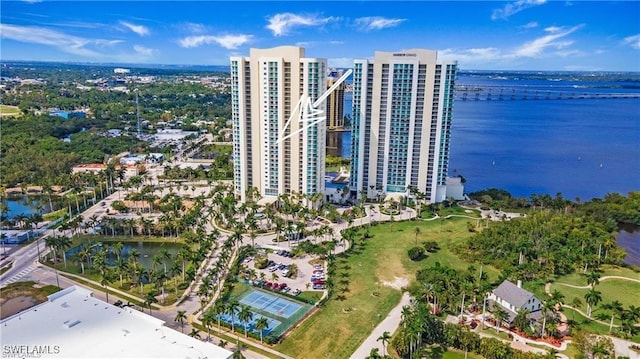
column 592, row 297
column 557, row 299
column 417, row 233
column 122, row 267
column 245, row 316
column 576, row 303
column 384, row 338
column 207, row 320
column 598, row 350
column 106, row 278
column 499, row 314
column 232, row 308
column 616, row 309
column 84, row 254
column 593, row 278
column 117, row 249
column 149, row 299
column 64, row 243
column 218, row 309
column 373, row 354
column 261, row 324
column 181, row 316
column 52, row 243
column 521, row 321
column 165, row 256
column 547, row 307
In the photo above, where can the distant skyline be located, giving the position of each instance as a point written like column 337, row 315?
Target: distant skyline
column 533, row 35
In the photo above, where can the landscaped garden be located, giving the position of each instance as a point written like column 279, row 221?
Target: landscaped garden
column 367, row 285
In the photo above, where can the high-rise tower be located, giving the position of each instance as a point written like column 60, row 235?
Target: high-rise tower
column 266, row 86
column 335, row 102
column 402, row 107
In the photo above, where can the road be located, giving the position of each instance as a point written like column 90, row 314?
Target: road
column 26, row 267
column 25, row 258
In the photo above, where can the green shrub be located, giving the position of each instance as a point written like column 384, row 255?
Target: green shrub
column 416, row 253
column 261, row 262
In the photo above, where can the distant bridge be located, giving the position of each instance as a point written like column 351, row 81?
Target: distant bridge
column 497, row 93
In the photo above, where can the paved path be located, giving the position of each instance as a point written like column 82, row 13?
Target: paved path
column 389, row 324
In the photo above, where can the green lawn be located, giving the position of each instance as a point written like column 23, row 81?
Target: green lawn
column 608, row 270
column 311, row 295
column 626, row 292
column 459, row 354
column 7, row 111
column 339, row 327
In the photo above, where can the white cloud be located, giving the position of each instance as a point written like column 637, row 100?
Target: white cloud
column 473, row 55
column 537, row 46
column 32, row 1
column 530, row 25
column 281, row 24
column 514, row 8
column 107, row 43
column 64, row 42
column 305, row 44
column 229, row 42
column 376, row 23
column 138, row 29
column 194, row 28
column 144, row 51
column 633, row 41
column 335, row 42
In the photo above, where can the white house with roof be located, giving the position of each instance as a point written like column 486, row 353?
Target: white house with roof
column 512, row 297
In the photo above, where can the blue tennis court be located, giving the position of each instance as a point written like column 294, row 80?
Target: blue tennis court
column 271, row 304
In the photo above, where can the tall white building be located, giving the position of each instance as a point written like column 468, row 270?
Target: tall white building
column 266, row 87
column 402, row 107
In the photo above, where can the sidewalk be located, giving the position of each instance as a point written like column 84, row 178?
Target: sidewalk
column 389, row 324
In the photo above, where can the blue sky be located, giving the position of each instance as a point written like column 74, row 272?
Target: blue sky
column 486, row 35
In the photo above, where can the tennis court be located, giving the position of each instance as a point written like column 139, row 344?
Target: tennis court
column 282, row 313
column 271, row 304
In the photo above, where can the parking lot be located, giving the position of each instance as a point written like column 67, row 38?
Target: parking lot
column 279, row 262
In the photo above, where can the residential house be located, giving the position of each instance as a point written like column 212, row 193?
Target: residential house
column 512, row 297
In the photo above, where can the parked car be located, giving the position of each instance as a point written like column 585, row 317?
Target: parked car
column 296, row 292
column 318, row 286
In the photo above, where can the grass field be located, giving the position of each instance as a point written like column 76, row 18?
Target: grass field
column 6, row 111
column 607, row 270
column 626, row 292
column 339, row 327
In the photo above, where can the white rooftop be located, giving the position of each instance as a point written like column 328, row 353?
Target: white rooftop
column 74, row 324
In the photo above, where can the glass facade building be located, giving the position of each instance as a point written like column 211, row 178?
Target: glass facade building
column 266, row 89
column 401, row 124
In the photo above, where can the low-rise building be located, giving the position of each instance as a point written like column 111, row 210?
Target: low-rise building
column 74, row 324
column 512, row 297
column 89, row 167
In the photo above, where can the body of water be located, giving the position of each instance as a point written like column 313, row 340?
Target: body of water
column 629, row 239
column 582, row 148
column 23, row 206
column 146, row 249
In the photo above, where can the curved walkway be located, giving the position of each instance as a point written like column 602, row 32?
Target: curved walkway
column 389, row 324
